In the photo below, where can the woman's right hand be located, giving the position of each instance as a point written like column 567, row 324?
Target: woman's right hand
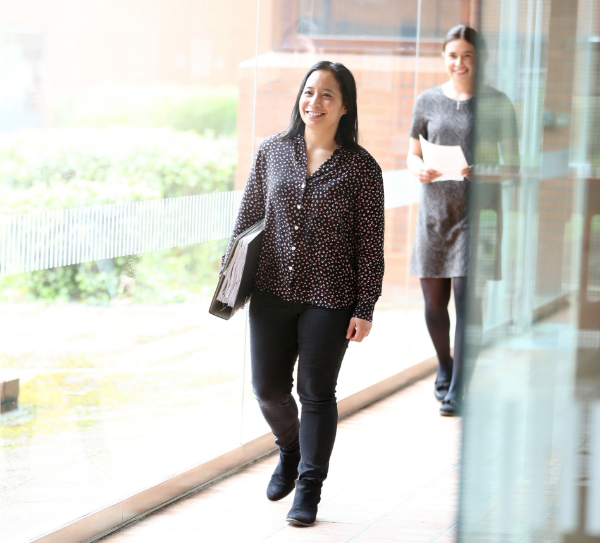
column 414, row 162
column 427, row 176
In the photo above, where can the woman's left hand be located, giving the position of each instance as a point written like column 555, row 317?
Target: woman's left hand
column 467, row 172
column 358, row 329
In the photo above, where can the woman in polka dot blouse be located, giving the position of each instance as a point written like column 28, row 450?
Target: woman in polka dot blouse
column 318, row 277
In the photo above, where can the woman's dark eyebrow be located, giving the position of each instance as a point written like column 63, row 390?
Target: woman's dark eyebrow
column 328, row 90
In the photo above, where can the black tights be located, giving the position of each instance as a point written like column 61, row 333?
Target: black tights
column 437, row 296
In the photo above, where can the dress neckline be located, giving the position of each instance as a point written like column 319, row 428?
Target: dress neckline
column 458, row 103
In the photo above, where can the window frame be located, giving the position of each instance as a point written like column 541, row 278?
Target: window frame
column 286, row 10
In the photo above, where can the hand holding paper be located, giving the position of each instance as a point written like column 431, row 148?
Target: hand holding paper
column 449, row 160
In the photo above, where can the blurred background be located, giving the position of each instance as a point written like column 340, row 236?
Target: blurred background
column 127, row 130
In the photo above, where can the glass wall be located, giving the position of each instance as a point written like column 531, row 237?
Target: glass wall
column 531, row 449
column 127, row 130
column 118, row 154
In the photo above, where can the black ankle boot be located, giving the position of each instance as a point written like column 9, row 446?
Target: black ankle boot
column 306, row 500
column 284, row 477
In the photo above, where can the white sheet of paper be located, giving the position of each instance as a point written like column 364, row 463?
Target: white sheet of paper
column 449, row 160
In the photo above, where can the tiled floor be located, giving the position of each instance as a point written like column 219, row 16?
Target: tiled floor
column 393, row 477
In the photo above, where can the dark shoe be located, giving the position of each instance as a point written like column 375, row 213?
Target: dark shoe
column 442, row 386
column 306, row 500
column 284, row 477
column 441, row 389
column 450, row 408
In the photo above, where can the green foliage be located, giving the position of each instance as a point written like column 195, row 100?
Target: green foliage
column 66, row 168
column 77, row 282
column 67, row 401
column 53, row 169
column 179, row 275
column 203, row 110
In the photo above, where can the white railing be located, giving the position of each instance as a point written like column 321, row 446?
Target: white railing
column 49, row 239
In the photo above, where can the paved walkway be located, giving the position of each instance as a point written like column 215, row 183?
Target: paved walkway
column 393, row 477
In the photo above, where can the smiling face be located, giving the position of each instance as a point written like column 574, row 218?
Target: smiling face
column 321, row 103
column 459, row 58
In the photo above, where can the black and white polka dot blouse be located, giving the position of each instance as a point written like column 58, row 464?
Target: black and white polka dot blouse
column 323, row 241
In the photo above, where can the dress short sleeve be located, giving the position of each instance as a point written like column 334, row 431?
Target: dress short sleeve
column 418, row 125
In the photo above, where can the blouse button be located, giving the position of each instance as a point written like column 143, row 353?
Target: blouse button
column 290, row 268
column 298, row 206
column 303, row 185
column 295, row 227
column 293, row 248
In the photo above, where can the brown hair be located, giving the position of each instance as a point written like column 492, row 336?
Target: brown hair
column 470, row 35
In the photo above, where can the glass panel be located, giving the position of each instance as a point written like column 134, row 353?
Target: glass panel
column 531, row 427
column 118, row 154
column 593, row 284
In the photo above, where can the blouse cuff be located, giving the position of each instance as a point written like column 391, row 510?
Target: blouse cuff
column 364, row 310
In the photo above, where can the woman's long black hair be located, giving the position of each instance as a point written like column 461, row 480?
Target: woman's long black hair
column 347, row 132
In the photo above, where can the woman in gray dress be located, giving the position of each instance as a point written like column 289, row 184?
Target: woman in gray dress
column 445, row 115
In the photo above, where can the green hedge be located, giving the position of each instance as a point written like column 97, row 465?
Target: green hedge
column 208, row 111
column 86, row 166
column 66, row 168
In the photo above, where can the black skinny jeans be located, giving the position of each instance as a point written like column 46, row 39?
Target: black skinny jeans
column 280, row 333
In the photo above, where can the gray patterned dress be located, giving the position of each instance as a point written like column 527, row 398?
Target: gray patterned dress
column 441, row 238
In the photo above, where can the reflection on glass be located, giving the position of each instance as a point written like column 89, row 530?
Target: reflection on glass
column 593, row 271
column 531, row 448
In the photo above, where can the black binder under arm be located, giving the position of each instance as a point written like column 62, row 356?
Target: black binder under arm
column 246, row 282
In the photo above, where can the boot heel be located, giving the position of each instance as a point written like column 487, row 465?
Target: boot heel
column 306, row 501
